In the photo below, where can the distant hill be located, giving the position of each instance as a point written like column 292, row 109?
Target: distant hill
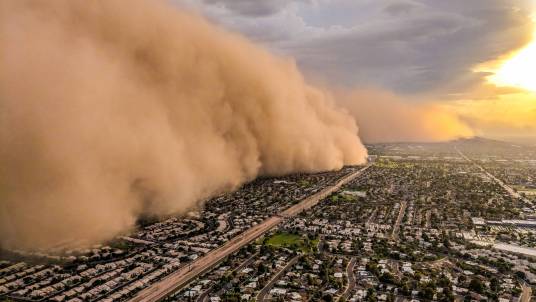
column 477, row 140
column 491, row 147
column 482, row 141
column 493, row 143
column 473, row 147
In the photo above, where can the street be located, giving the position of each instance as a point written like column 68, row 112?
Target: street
column 181, row 277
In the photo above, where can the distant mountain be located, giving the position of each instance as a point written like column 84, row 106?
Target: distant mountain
column 487, row 142
column 473, row 147
column 471, row 143
column 478, row 146
column 477, row 140
column 480, row 141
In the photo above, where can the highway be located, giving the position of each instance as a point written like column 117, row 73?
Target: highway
column 506, row 187
column 185, row 274
column 205, row 295
column 526, row 294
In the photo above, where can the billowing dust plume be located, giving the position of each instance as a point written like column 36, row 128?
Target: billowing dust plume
column 386, row 117
column 112, row 109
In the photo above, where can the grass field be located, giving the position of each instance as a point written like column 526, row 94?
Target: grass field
column 529, row 192
column 525, row 190
column 390, row 164
column 291, row 241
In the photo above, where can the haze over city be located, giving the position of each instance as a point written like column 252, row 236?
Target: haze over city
column 285, row 150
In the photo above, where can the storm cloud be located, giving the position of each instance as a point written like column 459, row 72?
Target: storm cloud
column 406, row 46
column 110, row 112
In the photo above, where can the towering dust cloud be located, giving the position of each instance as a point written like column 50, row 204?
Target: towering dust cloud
column 112, row 109
column 386, row 117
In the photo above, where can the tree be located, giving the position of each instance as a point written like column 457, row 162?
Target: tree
column 387, row 278
column 428, row 293
column 476, row 286
column 443, row 281
column 521, row 275
column 494, row 284
column 262, row 268
column 405, row 290
column 447, row 295
column 373, row 268
column 371, row 295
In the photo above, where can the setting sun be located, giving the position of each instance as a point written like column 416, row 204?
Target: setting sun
column 518, row 71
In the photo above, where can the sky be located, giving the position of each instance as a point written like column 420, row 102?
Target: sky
column 472, row 59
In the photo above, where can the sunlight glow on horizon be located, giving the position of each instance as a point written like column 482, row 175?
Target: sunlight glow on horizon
column 518, row 71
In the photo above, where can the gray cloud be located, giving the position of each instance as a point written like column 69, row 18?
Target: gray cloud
column 400, row 7
column 251, row 8
column 406, row 46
